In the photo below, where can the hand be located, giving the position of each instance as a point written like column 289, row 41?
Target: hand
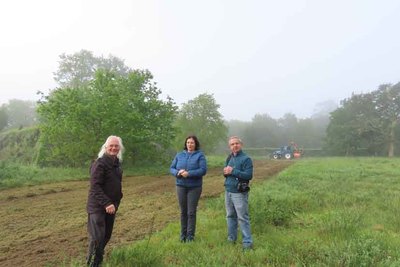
column 180, row 172
column 110, row 209
column 228, row 170
column 183, row 173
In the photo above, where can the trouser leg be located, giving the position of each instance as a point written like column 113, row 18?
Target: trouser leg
column 97, row 241
column 182, row 199
column 231, row 217
column 110, row 218
column 241, row 205
column 192, row 200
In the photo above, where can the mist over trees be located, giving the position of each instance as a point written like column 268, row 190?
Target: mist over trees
column 98, row 97
column 78, row 69
column 201, row 117
column 18, row 114
column 263, row 131
column 3, row 117
column 366, row 124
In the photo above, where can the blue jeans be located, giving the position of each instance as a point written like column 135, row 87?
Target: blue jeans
column 237, row 212
column 188, row 198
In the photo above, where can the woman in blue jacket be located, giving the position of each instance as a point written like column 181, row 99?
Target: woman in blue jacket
column 189, row 167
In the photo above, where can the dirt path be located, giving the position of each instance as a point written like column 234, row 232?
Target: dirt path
column 46, row 224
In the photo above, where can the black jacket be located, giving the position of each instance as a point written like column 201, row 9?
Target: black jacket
column 105, row 184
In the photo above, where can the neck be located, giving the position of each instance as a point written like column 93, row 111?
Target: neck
column 111, row 156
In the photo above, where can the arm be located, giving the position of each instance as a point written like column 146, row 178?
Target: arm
column 202, row 167
column 173, row 168
column 246, row 170
column 97, row 181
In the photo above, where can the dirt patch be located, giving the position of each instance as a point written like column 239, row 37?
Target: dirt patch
column 46, row 224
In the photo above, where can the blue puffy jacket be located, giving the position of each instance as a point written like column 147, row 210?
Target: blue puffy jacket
column 242, row 170
column 193, row 162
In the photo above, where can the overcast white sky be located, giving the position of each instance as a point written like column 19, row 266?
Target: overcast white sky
column 254, row 56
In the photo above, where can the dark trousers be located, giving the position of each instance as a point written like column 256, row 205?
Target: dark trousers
column 188, row 198
column 100, row 227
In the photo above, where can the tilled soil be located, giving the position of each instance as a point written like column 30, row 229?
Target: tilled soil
column 45, row 225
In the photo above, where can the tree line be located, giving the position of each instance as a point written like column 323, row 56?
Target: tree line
column 366, row 124
column 100, row 96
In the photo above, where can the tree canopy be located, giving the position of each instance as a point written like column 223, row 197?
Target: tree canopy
column 77, row 120
column 3, row 117
column 269, row 133
column 366, row 123
column 79, row 68
column 200, row 116
column 18, row 114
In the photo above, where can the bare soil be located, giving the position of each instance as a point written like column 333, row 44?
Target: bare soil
column 45, row 225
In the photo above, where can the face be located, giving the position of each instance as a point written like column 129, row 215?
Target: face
column 113, row 147
column 190, row 145
column 235, row 145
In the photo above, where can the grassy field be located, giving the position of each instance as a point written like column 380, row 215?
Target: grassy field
column 44, row 223
column 14, row 175
column 318, row 212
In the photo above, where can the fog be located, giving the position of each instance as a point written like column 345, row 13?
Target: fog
column 255, row 57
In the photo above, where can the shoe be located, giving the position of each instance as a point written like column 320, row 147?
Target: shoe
column 190, row 239
column 182, row 239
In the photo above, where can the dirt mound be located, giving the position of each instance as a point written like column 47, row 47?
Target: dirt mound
column 46, row 224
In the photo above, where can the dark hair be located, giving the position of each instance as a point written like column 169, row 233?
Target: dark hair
column 196, row 142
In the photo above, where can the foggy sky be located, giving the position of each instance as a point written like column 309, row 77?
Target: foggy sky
column 254, row 56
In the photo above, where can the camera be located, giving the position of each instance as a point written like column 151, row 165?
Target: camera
column 243, row 186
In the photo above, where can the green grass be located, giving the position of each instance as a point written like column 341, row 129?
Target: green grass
column 318, row 212
column 15, row 174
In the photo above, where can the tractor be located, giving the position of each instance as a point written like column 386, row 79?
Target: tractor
column 287, row 152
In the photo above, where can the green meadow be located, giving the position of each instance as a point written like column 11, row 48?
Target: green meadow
column 317, row 212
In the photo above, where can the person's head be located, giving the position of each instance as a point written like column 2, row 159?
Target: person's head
column 235, row 144
column 191, row 143
column 112, row 147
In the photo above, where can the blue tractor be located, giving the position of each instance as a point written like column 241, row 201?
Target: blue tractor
column 285, row 152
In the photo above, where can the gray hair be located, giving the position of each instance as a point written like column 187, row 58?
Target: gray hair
column 104, row 147
column 235, row 137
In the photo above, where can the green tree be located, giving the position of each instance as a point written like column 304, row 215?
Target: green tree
column 313, row 130
column 76, row 121
column 3, row 117
column 237, row 127
column 387, row 105
column 355, row 126
column 307, row 134
column 201, row 117
column 288, row 124
column 263, row 131
column 78, row 69
column 21, row 113
column 367, row 121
